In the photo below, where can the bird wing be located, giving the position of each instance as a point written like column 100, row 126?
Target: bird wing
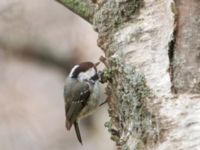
column 75, row 102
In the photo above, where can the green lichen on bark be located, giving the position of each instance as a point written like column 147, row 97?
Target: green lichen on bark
column 129, row 115
column 111, row 15
column 83, row 8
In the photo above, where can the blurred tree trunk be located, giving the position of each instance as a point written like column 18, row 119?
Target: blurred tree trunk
column 153, row 53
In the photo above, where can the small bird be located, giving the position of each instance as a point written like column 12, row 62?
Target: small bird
column 81, row 93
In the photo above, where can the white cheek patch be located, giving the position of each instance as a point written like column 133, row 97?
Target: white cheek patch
column 72, row 70
column 86, row 75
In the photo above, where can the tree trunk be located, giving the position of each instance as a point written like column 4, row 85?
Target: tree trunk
column 152, row 51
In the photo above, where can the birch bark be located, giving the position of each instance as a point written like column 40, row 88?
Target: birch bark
column 152, row 49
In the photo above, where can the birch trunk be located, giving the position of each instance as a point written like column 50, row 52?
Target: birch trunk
column 152, row 49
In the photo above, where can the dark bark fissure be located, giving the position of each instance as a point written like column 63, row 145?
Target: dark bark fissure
column 172, row 47
column 171, row 59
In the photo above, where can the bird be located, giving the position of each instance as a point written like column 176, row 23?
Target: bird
column 81, row 94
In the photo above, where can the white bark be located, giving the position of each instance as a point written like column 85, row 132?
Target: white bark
column 182, row 117
column 139, row 47
column 146, row 43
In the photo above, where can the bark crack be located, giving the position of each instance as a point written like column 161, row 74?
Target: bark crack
column 171, row 59
column 172, row 45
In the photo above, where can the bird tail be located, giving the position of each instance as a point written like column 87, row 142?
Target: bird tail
column 78, row 134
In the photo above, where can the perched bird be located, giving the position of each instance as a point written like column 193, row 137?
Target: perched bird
column 81, row 93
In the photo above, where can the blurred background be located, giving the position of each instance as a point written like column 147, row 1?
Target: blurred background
column 39, row 42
